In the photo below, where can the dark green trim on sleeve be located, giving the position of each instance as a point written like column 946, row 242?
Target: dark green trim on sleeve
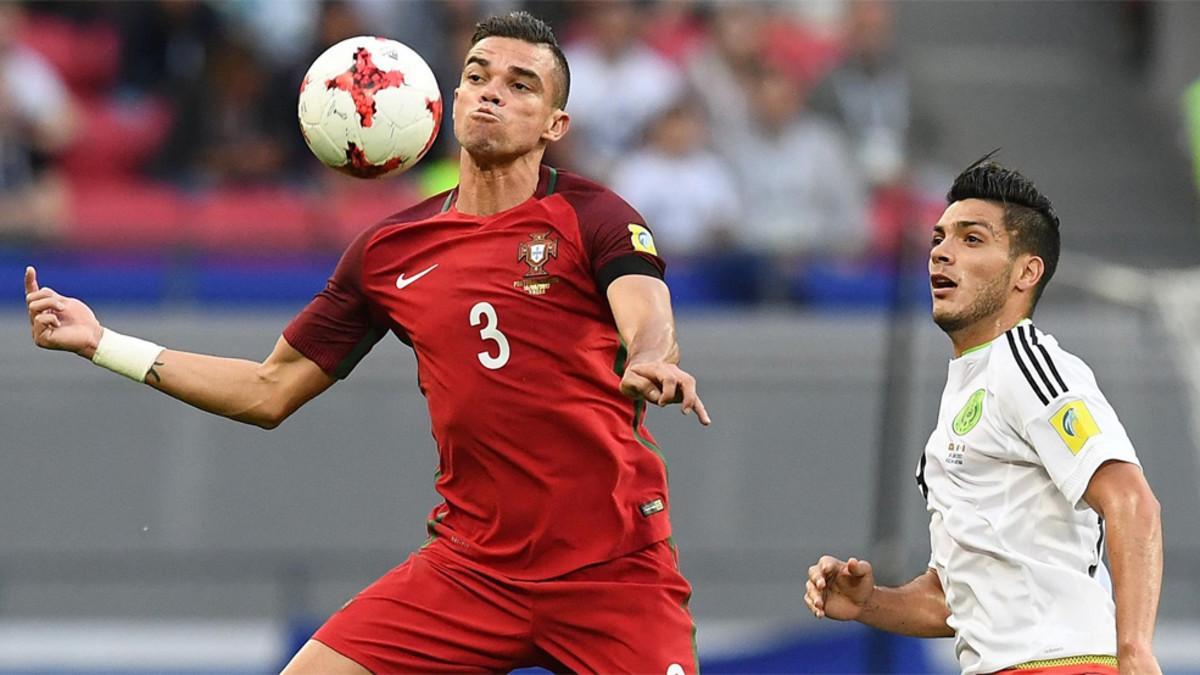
column 364, row 345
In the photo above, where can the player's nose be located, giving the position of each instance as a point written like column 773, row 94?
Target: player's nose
column 940, row 253
column 490, row 93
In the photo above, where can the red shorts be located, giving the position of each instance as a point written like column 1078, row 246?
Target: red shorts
column 434, row 614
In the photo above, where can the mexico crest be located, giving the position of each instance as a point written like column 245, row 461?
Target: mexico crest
column 535, row 253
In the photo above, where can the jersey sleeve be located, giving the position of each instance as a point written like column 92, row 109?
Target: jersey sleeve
column 616, row 238
column 338, row 327
column 1051, row 398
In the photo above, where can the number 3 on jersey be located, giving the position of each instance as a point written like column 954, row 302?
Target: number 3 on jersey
column 490, row 331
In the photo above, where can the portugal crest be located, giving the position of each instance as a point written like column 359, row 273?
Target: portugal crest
column 536, row 253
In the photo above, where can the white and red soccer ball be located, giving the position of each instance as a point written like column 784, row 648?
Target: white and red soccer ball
column 369, row 107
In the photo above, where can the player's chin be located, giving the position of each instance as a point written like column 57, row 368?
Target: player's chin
column 483, row 145
column 947, row 319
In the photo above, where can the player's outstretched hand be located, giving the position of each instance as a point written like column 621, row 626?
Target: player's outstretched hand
column 59, row 322
column 837, row 589
column 662, row 384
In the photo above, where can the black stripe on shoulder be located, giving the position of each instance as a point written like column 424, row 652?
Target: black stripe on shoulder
column 921, row 484
column 1049, row 362
column 1099, row 548
column 1012, row 344
column 1033, row 359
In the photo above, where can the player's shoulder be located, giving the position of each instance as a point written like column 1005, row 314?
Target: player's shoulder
column 592, row 200
column 1029, row 364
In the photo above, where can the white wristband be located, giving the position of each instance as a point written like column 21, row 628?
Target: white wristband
column 128, row 356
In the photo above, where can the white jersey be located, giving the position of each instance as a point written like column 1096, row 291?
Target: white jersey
column 1022, row 427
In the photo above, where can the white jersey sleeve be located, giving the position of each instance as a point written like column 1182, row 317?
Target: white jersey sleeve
column 1051, row 400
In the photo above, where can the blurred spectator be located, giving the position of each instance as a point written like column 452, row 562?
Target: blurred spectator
column 236, row 127
column 871, row 96
column 618, row 85
column 166, row 45
column 677, row 31
column 801, row 191
column 281, row 29
column 723, row 71
column 684, row 191
column 37, row 119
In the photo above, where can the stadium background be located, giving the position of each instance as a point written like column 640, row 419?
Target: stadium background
column 790, row 155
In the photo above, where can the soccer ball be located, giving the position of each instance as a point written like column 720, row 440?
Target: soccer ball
column 369, row 107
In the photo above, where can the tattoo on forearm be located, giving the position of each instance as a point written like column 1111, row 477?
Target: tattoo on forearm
column 154, row 372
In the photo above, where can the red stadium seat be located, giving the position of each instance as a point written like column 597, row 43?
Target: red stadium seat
column 86, row 56
column 351, row 205
column 253, row 220
column 125, row 215
column 116, row 137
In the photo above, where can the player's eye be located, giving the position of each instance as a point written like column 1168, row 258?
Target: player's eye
column 521, row 86
column 974, row 239
column 474, row 77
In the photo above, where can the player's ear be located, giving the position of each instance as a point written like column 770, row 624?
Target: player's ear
column 556, row 126
column 1029, row 270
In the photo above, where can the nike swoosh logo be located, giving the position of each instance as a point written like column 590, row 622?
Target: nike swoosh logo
column 401, row 282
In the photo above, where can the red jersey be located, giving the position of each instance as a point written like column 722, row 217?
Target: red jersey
column 545, row 467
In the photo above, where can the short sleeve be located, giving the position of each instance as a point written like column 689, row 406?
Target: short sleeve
column 337, row 328
column 1051, row 399
column 616, row 238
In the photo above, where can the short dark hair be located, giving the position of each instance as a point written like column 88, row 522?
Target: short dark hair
column 528, row 28
column 1028, row 215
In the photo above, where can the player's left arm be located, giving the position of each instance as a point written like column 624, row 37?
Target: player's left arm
column 1120, row 494
column 641, row 307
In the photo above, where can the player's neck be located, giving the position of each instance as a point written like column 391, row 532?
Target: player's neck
column 984, row 331
column 486, row 190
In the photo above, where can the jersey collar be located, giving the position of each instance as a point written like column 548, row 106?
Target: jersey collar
column 979, row 348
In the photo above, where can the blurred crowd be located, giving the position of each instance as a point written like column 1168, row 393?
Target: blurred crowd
column 772, row 146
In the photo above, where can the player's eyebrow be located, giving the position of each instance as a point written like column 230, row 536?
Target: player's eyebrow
column 964, row 224
column 518, row 70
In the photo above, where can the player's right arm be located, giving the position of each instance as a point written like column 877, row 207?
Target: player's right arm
column 263, row 394
column 846, row 591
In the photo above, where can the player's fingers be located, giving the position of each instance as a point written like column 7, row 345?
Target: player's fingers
column 46, row 304
column 38, row 295
column 48, row 320
column 828, row 565
column 810, row 599
column 687, row 393
column 816, row 594
column 814, row 573
column 636, row 386
column 31, row 284
column 701, row 411
column 668, row 388
column 858, row 568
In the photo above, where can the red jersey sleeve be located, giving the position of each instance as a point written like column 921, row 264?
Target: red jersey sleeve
column 338, row 327
column 615, row 236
